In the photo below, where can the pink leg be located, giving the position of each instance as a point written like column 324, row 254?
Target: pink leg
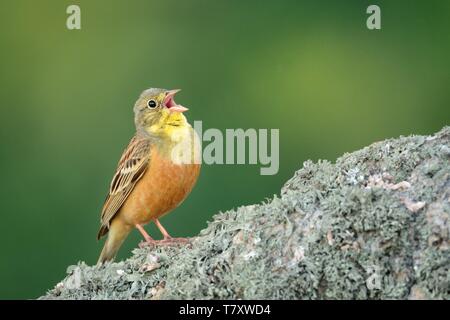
column 148, row 239
column 167, row 238
column 163, row 230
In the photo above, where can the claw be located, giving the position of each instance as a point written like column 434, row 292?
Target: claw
column 165, row 242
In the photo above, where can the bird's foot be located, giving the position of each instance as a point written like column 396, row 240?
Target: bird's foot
column 165, row 242
column 148, row 241
column 145, row 243
column 175, row 241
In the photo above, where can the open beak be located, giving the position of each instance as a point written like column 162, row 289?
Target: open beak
column 170, row 103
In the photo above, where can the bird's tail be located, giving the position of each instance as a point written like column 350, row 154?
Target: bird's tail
column 118, row 231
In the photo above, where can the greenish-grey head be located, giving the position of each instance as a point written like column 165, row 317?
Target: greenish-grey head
column 156, row 110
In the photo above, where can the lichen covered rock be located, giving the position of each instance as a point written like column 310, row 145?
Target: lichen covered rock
column 375, row 225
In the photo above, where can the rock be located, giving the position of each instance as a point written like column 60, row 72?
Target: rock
column 375, row 225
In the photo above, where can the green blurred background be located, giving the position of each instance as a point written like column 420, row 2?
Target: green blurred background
column 310, row 68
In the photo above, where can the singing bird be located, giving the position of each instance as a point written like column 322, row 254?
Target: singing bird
column 156, row 172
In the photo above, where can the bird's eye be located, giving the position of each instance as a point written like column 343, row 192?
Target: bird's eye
column 151, row 104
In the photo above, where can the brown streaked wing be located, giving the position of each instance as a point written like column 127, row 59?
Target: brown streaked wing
column 130, row 169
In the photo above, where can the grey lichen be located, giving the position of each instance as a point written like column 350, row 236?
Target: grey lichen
column 375, row 225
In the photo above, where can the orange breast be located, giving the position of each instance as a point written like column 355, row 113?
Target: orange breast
column 162, row 188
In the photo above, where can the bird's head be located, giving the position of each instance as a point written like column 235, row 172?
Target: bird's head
column 157, row 113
